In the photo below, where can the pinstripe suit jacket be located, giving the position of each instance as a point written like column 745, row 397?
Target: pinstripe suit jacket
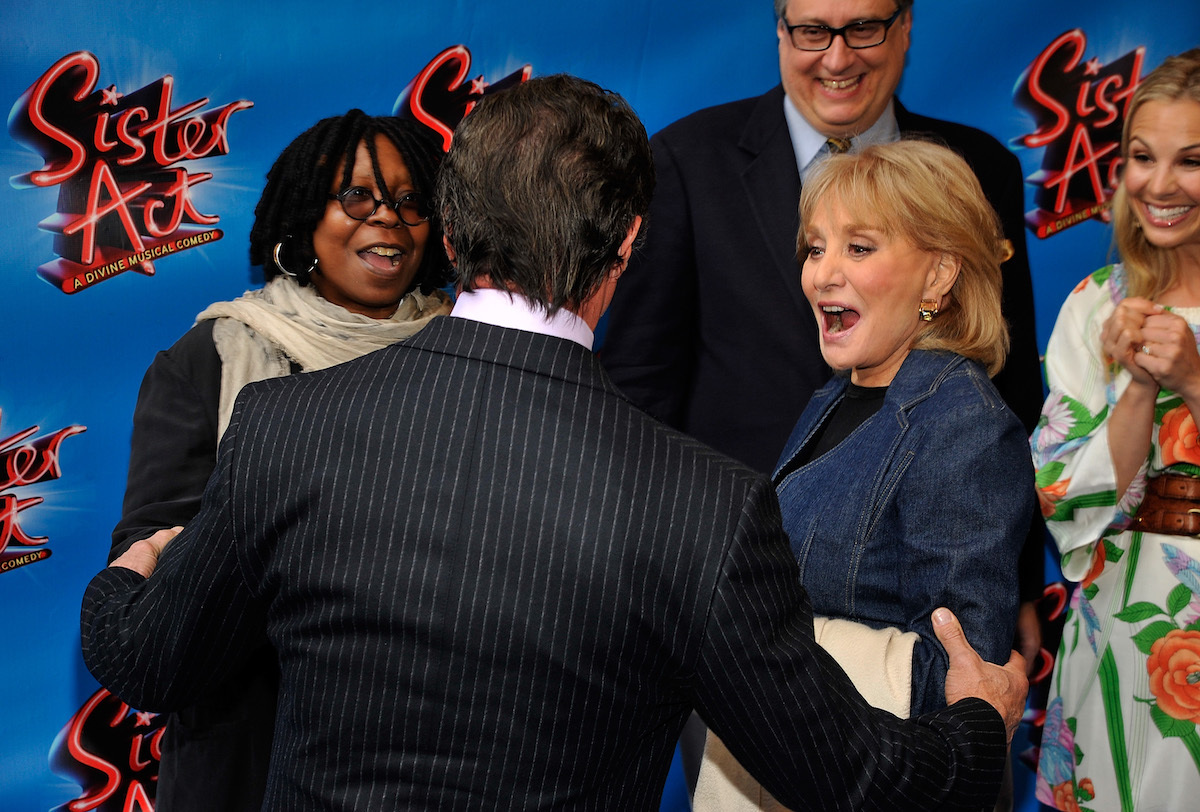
column 492, row 583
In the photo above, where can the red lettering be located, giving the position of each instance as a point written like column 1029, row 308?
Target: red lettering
column 1080, row 142
column 1062, row 115
column 1114, row 171
column 99, row 138
column 1077, row 109
column 1103, row 101
column 136, row 762
column 1082, row 108
column 164, row 116
column 111, row 136
column 156, row 744
column 1109, row 104
column 82, row 69
column 118, row 201
column 10, row 530
column 218, row 120
column 177, row 192
column 112, row 775
column 136, row 798
column 34, row 462
column 26, row 463
column 137, row 148
column 456, row 53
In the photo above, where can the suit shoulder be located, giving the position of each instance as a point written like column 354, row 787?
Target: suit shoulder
column 720, row 122
column 972, row 143
column 696, row 456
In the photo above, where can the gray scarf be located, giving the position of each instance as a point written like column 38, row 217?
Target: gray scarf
column 260, row 334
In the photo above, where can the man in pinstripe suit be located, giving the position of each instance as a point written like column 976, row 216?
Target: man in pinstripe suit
column 492, row 582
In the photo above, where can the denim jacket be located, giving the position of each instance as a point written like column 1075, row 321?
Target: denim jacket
column 927, row 503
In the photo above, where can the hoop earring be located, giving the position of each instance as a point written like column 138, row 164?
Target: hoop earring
column 927, row 309
column 303, row 276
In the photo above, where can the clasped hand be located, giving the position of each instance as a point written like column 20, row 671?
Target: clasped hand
column 1156, row 346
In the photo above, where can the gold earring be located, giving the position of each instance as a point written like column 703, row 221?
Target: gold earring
column 927, row 309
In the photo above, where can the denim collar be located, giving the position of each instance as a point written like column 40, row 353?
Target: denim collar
column 919, row 376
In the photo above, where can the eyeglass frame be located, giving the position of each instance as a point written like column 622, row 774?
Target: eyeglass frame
column 394, row 205
column 834, row 33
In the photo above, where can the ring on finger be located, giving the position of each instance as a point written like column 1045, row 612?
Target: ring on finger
column 1146, row 349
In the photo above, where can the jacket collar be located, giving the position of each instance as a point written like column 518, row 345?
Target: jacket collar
column 772, row 186
column 921, row 374
column 549, row 356
column 918, row 378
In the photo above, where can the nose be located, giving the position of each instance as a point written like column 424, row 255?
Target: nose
column 384, row 216
column 1163, row 182
column 838, row 56
column 822, row 274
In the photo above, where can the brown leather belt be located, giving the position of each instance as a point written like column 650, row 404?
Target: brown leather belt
column 1171, row 506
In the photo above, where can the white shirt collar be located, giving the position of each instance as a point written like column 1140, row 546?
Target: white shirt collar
column 504, row 309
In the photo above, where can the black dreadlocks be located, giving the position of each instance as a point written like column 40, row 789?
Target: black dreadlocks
column 297, row 190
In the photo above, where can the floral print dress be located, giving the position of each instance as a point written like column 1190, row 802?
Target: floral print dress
column 1121, row 722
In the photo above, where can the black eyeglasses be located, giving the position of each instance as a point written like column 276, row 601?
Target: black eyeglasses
column 360, row 204
column 857, row 35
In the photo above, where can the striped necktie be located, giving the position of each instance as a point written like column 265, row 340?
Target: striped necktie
column 838, row 145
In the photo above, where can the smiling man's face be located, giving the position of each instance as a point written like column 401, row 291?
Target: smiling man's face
column 842, row 91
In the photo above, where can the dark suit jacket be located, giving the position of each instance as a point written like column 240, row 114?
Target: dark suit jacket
column 493, row 583
column 709, row 329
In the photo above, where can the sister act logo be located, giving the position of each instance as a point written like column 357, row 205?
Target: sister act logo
column 441, row 95
column 112, row 751
column 1079, row 107
column 121, row 164
column 25, row 460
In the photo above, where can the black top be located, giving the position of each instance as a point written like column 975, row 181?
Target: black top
column 859, row 403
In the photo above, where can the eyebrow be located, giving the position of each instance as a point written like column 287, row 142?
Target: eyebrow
column 1142, row 141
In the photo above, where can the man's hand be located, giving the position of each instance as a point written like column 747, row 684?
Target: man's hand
column 1002, row 687
column 142, row 555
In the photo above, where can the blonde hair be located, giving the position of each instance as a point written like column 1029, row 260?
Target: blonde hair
column 1150, row 269
column 927, row 195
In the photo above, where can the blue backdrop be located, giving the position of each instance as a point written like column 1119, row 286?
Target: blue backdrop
column 72, row 363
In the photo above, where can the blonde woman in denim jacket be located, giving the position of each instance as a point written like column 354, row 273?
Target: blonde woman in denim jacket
column 907, row 482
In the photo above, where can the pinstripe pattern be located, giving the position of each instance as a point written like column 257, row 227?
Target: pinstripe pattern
column 494, row 584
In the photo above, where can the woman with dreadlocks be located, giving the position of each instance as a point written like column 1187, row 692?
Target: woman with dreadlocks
column 353, row 259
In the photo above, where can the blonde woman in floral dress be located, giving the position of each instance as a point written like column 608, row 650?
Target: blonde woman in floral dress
column 1118, row 471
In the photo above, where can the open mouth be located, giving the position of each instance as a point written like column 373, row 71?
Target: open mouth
column 839, row 85
column 382, row 257
column 1168, row 216
column 838, row 318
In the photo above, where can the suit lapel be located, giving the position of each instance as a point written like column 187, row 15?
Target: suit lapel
column 911, row 124
column 772, row 186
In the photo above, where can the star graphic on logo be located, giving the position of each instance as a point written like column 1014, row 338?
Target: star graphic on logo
column 478, row 85
column 110, row 95
column 1092, row 68
column 144, row 718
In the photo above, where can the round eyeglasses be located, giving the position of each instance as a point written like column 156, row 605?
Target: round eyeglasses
column 359, row 203
column 859, row 34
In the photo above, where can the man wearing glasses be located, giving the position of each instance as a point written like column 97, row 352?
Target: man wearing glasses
column 709, row 329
